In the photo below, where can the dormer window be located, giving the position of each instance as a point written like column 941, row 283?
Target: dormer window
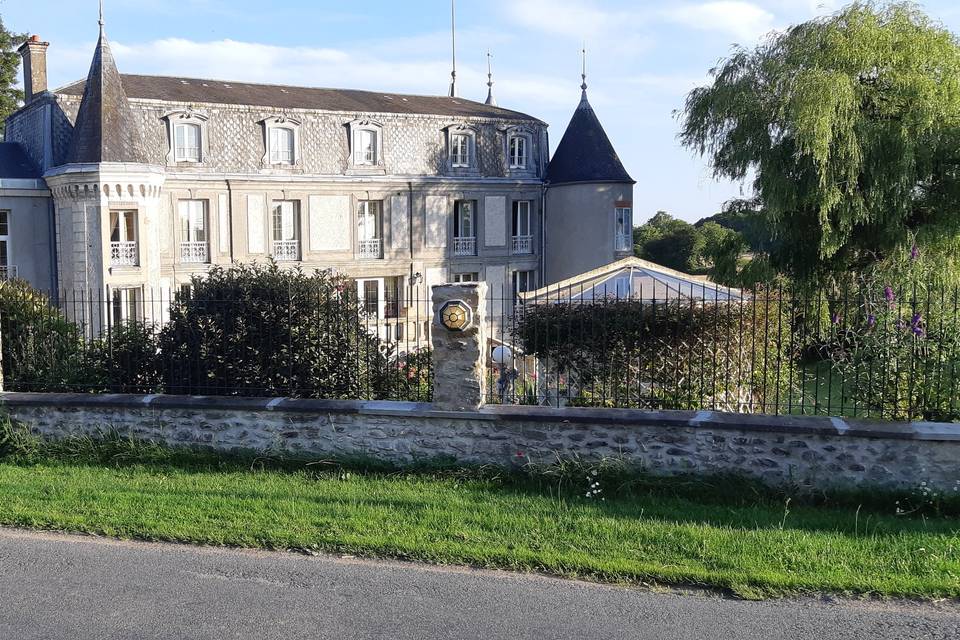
column 366, row 144
column 518, row 152
column 281, row 145
column 365, row 147
column 281, row 137
column 187, row 142
column 187, row 136
column 460, row 150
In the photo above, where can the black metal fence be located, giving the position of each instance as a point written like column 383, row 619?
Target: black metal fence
column 868, row 351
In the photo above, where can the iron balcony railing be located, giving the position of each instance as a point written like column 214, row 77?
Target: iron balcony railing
column 286, row 250
column 194, row 252
column 123, row 254
column 370, row 249
column 8, row 272
column 464, row 246
column 522, row 244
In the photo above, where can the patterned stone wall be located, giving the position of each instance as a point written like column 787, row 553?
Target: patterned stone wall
column 412, row 144
column 817, row 452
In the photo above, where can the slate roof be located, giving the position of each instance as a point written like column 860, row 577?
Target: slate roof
column 14, row 162
column 585, row 153
column 193, row 90
column 105, row 130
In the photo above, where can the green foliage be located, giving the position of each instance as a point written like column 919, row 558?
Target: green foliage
column 899, row 349
column 677, row 355
column 748, row 219
column 261, row 330
column 10, row 96
column 124, row 360
column 669, row 242
column 849, row 126
column 42, row 350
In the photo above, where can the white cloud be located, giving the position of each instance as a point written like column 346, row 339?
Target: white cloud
column 744, row 20
column 574, row 18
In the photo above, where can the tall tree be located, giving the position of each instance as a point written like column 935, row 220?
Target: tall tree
column 10, row 95
column 848, row 125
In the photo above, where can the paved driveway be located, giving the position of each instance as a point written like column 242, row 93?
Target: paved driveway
column 56, row 586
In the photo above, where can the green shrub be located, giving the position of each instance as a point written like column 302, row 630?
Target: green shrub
column 124, row 359
column 42, row 350
column 260, row 330
column 676, row 355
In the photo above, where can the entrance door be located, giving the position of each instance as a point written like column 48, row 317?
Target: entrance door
column 372, row 297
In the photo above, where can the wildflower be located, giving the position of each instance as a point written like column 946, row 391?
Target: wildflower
column 914, row 252
column 888, row 293
column 871, row 321
column 835, row 318
column 916, row 324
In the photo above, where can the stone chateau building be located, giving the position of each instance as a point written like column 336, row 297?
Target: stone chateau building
column 128, row 185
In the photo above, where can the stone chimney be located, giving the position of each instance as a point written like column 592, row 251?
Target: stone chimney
column 34, row 55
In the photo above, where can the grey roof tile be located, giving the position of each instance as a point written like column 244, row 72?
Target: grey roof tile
column 585, row 153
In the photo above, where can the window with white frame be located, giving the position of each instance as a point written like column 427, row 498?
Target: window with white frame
column 471, row 276
column 464, row 228
column 518, row 152
column 522, row 240
column 6, row 269
column 523, row 281
column 187, row 142
column 194, row 231
column 282, row 145
column 123, row 238
column 285, row 220
column 369, row 219
column 624, row 229
column 365, row 147
column 126, row 305
column 460, row 150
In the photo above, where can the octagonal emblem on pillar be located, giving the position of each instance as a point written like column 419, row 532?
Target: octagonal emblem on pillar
column 456, row 315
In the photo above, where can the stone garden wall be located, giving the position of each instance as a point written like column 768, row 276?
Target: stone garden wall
column 822, row 452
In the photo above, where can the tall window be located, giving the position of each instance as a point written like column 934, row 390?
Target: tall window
column 523, row 281
column 518, row 152
column 286, row 230
column 126, row 305
column 464, row 228
column 365, row 147
column 187, row 142
column 522, row 231
column 194, row 235
column 6, row 270
column 123, row 238
column 368, row 229
column 460, row 150
column 281, row 145
column 624, row 227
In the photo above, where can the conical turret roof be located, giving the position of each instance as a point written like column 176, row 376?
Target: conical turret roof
column 585, row 153
column 105, row 129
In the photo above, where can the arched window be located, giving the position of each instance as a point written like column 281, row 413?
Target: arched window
column 186, row 142
column 518, row 152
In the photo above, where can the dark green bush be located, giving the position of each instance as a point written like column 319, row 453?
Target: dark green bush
column 261, row 330
column 124, row 359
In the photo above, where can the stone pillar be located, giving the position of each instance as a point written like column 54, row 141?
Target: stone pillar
column 459, row 346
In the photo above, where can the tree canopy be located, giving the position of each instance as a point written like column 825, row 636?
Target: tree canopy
column 848, row 127
column 10, row 96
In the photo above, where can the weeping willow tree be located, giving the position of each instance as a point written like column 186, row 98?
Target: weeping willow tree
column 848, row 127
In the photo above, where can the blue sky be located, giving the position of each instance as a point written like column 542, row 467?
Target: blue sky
column 643, row 57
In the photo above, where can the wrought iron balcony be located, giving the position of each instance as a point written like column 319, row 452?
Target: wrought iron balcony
column 464, row 246
column 194, row 252
column 522, row 244
column 123, row 254
column 624, row 242
column 286, row 250
column 370, row 249
column 8, row 272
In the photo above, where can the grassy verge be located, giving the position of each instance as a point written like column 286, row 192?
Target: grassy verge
column 722, row 533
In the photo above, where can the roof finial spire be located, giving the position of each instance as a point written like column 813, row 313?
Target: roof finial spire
column 583, row 69
column 490, row 99
column 453, row 36
column 101, row 16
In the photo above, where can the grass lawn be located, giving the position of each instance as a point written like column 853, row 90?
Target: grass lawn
column 723, row 533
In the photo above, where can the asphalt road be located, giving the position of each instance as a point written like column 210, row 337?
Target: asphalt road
column 56, row 586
